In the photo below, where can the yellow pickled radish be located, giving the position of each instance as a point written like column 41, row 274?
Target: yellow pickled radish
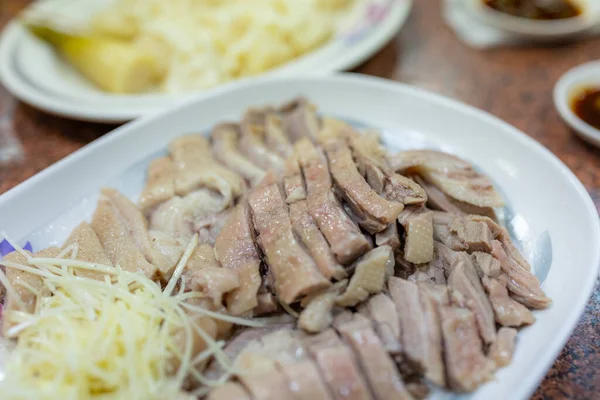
column 113, row 65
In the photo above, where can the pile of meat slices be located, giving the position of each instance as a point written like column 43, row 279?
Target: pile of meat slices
column 400, row 274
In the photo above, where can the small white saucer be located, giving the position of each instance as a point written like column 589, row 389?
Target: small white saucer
column 584, row 75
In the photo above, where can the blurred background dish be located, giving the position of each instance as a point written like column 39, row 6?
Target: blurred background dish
column 546, row 20
column 577, row 99
column 33, row 71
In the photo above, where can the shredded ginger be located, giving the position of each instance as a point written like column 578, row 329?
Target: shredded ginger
column 110, row 339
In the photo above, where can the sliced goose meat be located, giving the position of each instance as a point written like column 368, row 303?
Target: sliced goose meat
column 382, row 310
column 453, row 176
column 429, row 273
column 344, row 236
column 301, row 121
column 294, row 271
column 117, row 240
column 462, row 233
column 333, row 129
column 275, row 137
column 523, row 285
column 388, row 237
column 293, row 182
column 252, row 142
column 196, row 168
column 370, row 273
column 420, row 327
column 267, row 304
column 379, row 368
column 213, row 283
column 311, row 237
column 486, row 264
column 418, row 228
column 507, row 311
column 21, row 282
column 338, row 366
column 464, row 282
column 137, row 225
column 375, row 212
column 225, row 138
column 467, row 366
column 170, row 247
column 160, row 184
column 438, row 200
column 236, row 250
column 229, row 391
column 89, row 249
column 502, row 350
column 317, row 314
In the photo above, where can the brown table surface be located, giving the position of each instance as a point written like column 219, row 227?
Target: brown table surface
column 515, row 84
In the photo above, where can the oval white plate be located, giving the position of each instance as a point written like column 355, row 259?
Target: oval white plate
column 587, row 74
column 562, row 246
column 538, row 30
column 34, row 73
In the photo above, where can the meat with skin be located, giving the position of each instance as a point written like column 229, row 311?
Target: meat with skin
column 293, row 182
column 453, row 176
column 301, row 121
column 502, row 350
column 337, row 366
column 382, row 311
column 294, row 271
column 229, row 391
column 464, row 280
column 343, row 235
column 379, row 368
column 467, row 366
column 388, row 237
column 420, row 327
column 308, row 232
column 418, row 228
column 275, row 137
column 486, row 264
column 317, row 314
column 462, row 233
column 370, row 273
column 195, row 168
column 225, row 139
column 89, row 249
column 236, row 250
column 507, row 312
column 160, row 184
column 374, row 212
column 252, row 142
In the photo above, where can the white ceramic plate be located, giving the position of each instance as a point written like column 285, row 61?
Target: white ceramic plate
column 539, row 30
column 575, row 79
column 550, row 213
column 35, row 74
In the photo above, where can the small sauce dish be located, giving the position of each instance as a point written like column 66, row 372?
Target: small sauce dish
column 539, row 29
column 576, row 97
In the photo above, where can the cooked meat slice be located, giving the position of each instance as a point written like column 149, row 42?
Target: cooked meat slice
column 267, row 304
column 462, row 233
column 429, row 273
column 453, row 176
column 252, row 144
column 294, row 271
column 501, row 234
column 137, row 225
column 236, row 250
column 196, row 168
column 229, row 391
column 214, row 283
column 523, row 285
column 21, row 282
column 344, row 237
column 293, row 182
column 486, row 264
column 418, row 227
column 317, row 314
column 444, row 257
column 225, row 139
column 311, row 237
column 419, row 326
column 203, row 256
column 338, row 366
column 301, row 121
column 507, row 311
column 374, row 211
column 384, row 378
column 275, row 137
column 160, row 184
column 502, row 350
column 370, row 273
column 117, row 240
column 464, row 281
column 388, row 237
column 171, row 248
column 467, row 366
column 475, row 234
column 382, row 310
column 208, row 325
column 260, row 375
column 438, row 200
column 89, row 249
column 437, row 293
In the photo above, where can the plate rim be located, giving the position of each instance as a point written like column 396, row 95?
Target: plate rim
column 526, row 387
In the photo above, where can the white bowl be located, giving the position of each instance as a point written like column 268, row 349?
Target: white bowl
column 568, row 85
column 537, row 29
